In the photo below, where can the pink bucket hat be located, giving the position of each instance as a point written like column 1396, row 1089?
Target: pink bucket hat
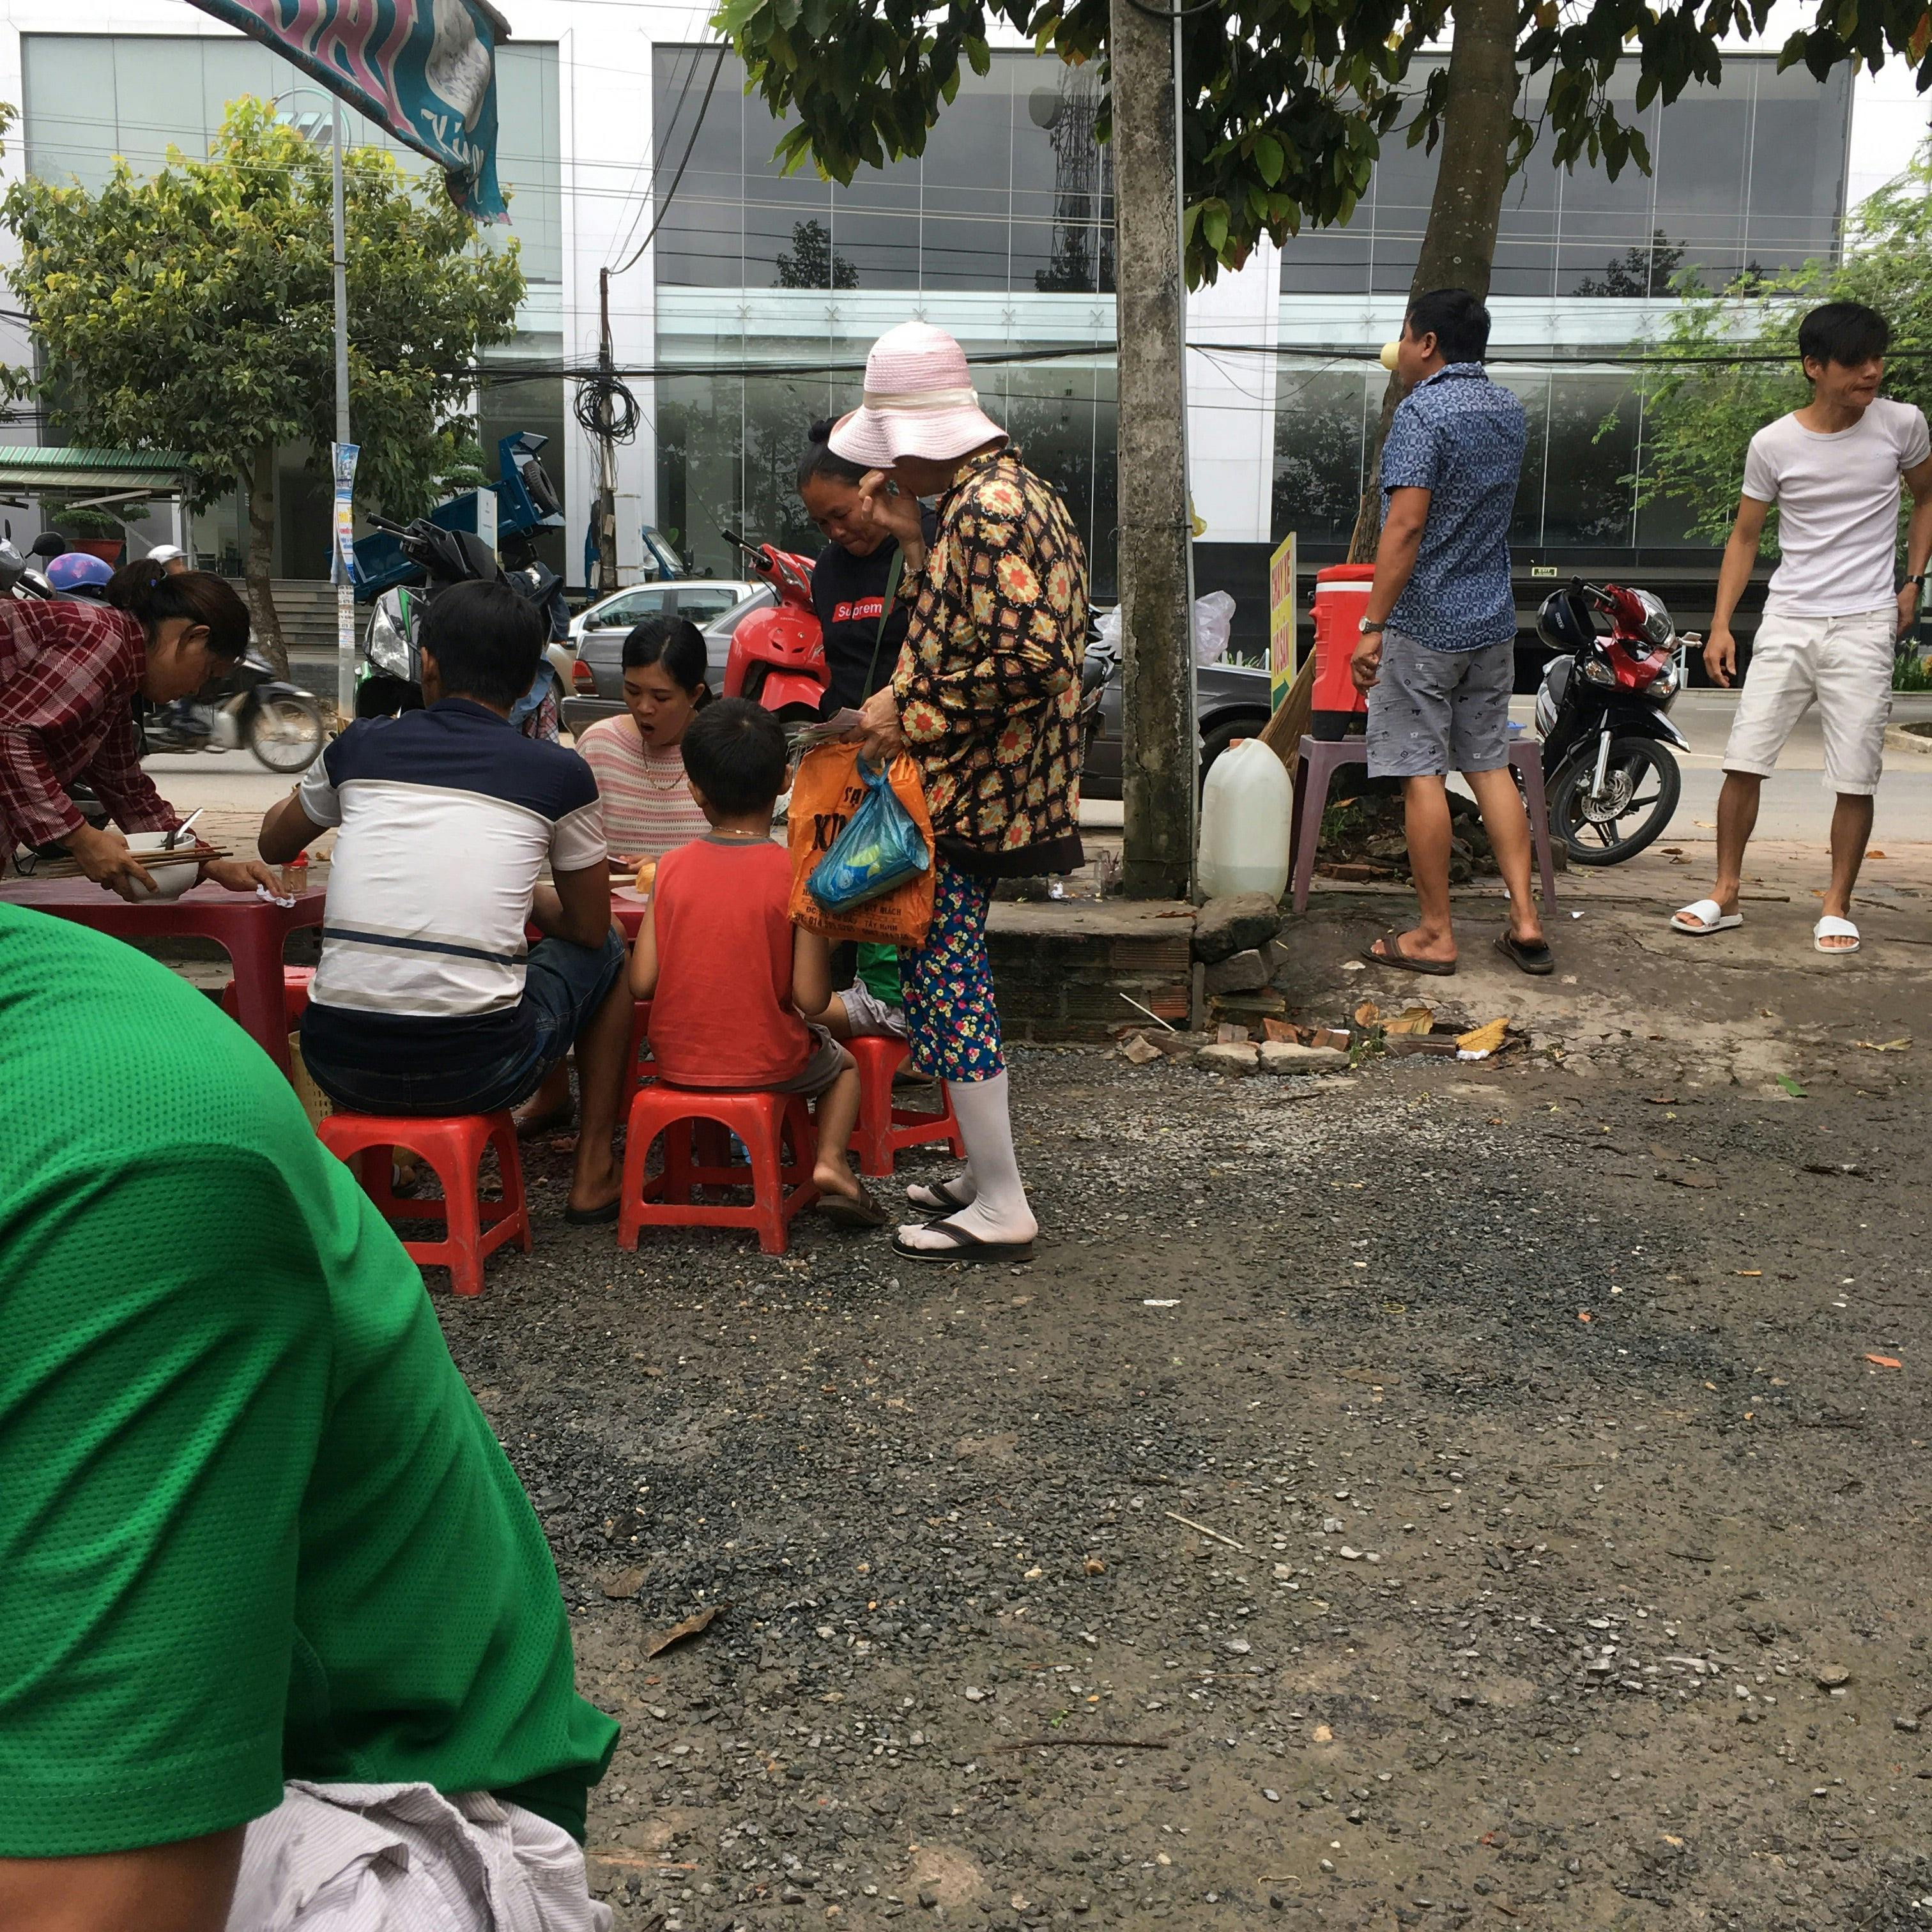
column 919, row 401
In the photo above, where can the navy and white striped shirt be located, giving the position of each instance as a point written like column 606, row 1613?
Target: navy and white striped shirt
column 447, row 816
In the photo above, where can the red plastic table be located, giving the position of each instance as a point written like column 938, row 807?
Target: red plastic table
column 250, row 930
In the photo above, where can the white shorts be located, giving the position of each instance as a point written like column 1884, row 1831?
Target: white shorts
column 1841, row 664
column 402, row 1858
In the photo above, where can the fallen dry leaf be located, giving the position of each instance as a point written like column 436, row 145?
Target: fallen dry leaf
column 1749, row 1274
column 1414, row 1020
column 1885, row 1361
column 1139, row 1049
column 1661, row 1099
column 626, row 1584
column 1884, row 1045
column 690, row 1626
column 1322, row 1734
column 1483, row 1038
column 1367, row 1013
column 1093, row 1567
column 1874, row 852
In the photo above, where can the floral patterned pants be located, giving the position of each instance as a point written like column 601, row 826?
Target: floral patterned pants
column 948, row 984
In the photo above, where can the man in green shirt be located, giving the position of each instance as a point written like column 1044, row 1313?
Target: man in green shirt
column 253, row 1528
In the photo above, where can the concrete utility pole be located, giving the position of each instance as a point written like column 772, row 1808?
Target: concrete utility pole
column 345, row 591
column 1162, row 749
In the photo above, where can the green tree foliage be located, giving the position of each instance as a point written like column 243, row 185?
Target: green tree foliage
column 1729, row 359
column 1287, row 101
column 195, row 312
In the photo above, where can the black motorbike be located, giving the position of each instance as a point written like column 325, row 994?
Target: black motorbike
column 388, row 671
column 249, row 705
column 1611, row 774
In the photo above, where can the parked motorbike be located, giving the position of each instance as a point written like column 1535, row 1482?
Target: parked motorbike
column 777, row 655
column 1613, row 781
column 282, row 724
column 1102, row 660
column 389, row 669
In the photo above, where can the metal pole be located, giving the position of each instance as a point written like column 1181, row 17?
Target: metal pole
column 345, row 592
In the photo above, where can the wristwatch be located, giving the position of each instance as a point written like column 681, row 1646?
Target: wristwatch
column 1368, row 626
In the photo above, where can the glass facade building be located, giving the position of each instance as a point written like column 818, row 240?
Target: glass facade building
column 1749, row 179
column 90, row 98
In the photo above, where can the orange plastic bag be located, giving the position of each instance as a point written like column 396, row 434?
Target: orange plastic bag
column 825, row 792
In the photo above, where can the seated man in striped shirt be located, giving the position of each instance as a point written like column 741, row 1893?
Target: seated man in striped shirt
column 428, row 1000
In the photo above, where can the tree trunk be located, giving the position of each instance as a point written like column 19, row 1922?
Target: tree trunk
column 259, row 578
column 1161, row 753
column 1459, row 246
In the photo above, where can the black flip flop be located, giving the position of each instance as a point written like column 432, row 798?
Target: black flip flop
column 1537, row 960
column 1436, row 969
column 944, row 1201
column 966, row 1246
column 844, row 1211
column 593, row 1217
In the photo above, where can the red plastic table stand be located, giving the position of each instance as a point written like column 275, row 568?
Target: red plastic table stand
column 475, row 1226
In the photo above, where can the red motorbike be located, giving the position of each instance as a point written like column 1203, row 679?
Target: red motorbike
column 777, row 657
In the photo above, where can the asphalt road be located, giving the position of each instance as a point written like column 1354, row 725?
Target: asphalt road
column 1795, row 806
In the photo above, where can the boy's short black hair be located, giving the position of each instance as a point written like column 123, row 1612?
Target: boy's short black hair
column 1846, row 333
column 734, row 753
column 1460, row 323
column 487, row 642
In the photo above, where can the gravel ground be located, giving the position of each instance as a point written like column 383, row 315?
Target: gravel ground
column 1443, row 1495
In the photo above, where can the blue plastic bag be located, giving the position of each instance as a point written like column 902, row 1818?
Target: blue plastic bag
column 877, row 850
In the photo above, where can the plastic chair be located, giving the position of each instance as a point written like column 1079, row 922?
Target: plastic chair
column 641, row 1025
column 761, row 1121
column 883, row 1129
column 294, row 995
column 1322, row 757
column 453, row 1146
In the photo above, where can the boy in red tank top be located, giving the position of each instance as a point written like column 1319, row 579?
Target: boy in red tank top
column 728, row 976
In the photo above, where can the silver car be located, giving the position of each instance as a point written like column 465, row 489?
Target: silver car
column 599, row 676
column 599, row 630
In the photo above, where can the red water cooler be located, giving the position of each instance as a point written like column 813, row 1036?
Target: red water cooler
column 1341, row 596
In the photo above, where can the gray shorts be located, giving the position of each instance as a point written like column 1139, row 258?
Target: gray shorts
column 829, row 1060
column 866, row 1013
column 1433, row 713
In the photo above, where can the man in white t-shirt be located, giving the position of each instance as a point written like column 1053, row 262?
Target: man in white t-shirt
column 1833, row 615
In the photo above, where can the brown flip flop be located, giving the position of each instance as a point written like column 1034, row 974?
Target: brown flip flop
column 1437, row 969
column 843, row 1211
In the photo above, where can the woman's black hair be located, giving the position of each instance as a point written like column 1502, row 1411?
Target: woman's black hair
column 676, row 643
column 820, row 459
column 145, row 591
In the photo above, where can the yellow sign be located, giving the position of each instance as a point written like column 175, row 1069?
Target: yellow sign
column 1281, row 619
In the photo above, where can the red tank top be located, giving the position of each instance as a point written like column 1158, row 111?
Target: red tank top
column 721, row 1016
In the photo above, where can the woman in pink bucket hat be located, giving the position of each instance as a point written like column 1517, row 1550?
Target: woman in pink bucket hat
column 986, row 700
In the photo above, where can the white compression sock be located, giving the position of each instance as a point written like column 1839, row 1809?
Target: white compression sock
column 999, row 1212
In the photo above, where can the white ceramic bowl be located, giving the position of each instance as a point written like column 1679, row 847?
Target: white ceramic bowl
column 172, row 878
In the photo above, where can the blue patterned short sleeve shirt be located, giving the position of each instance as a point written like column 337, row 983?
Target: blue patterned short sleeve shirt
column 1460, row 436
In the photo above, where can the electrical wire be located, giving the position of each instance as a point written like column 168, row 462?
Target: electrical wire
column 697, row 126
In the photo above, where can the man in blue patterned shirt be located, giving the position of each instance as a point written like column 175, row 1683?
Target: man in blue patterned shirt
column 1437, row 655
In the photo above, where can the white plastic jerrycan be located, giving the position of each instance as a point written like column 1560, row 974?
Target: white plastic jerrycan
column 1244, row 822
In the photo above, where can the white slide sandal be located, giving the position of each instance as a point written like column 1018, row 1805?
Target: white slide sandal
column 1830, row 927
column 1709, row 917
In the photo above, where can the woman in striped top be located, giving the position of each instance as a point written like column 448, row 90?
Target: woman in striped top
column 637, row 759
column 639, row 766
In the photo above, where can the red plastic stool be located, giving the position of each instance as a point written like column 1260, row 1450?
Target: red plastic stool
column 760, row 1120
column 641, row 1025
column 883, row 1129
column 294, row 995
column 453, row 1146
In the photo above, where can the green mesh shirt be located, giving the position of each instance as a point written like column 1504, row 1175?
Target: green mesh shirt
column 252, row 1524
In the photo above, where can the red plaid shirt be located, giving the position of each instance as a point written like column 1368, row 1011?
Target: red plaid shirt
column 68, row 676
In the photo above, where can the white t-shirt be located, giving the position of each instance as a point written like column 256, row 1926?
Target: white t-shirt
column 1837, row 507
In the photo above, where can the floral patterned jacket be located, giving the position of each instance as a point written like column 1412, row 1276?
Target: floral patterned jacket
column 988, row 680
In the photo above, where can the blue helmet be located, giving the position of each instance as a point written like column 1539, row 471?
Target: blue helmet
column 78, row 570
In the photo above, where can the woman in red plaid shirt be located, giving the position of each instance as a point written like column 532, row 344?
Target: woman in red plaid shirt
column 69, row 675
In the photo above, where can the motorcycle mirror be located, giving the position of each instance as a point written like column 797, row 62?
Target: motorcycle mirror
column 49, row 543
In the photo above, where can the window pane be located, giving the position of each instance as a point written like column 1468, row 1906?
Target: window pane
column 968, row 178
column 779, row 411
column 1328, row 261
column 1798, row 154
column 875, row 251
column 961, row 251
column 698, row 492
column 700, row 239
column 1531, row 387
column 1319, row 421
column 1593, row 449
